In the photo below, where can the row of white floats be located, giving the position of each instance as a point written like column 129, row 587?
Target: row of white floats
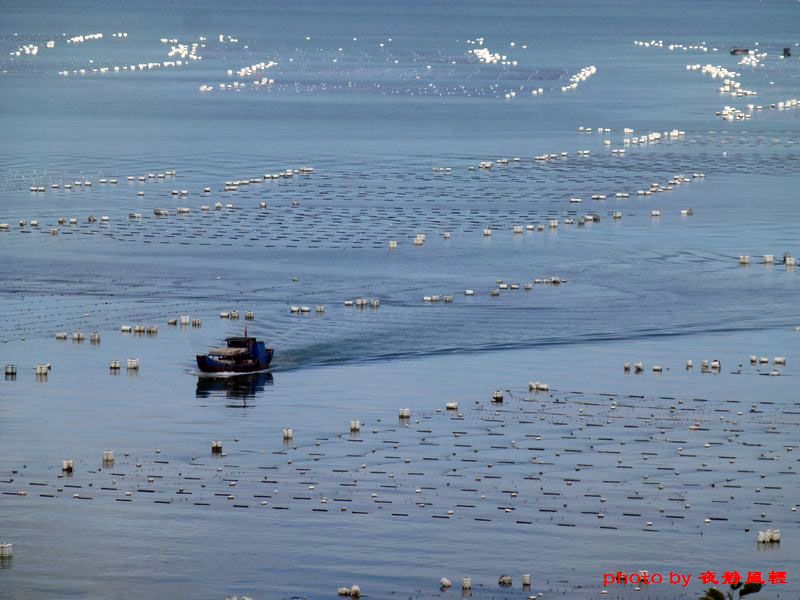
column 444, row 583
column 181, row 50
column 769, row 536
column 638, row 367
column 654, row 137
column 288, row 433
column 319, row 309
column 61, row 221
column 78, row 336
column 185, row 321
column 731, row 113
column 501, row 286
column 502, row 581
column 68, row 466
column 579, row 78
column 421, row 238
column 234, row 314
column 139, row 329
column 583, row 129
column 763, row 360
column 161, row 175
column 233, row 185
column 707, row 365
column 353, row 591
column 68, row 186
column 132, row 364
column 359, row 303
column 768, row 259
column 700, row 47
column 87, row 183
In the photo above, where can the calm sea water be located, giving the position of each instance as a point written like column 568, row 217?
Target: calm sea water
column 375, row 96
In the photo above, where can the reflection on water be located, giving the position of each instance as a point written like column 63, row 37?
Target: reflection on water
column 241, row 387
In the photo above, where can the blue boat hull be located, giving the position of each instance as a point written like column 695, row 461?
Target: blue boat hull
column 209, row 364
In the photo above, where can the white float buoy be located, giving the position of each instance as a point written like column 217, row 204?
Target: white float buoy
column 769, row 536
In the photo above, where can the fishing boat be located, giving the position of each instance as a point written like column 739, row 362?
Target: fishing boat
column 242, row 355
column 736, row 51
